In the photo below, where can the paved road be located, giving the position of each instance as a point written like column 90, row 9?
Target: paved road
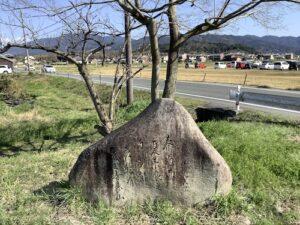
column 217, row 95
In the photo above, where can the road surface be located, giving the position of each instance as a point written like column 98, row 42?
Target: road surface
column 217, row 95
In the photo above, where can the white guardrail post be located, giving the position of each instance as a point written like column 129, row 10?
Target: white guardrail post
column 237, row 98
column 236, row 94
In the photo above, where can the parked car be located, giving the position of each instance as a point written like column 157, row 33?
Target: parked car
column 266, row 65
column 282, row 65
column 231, row 64
column 199, row 65
column 294, row 65
column 256, row 64
column 48, row 69
column 220, row 65
column 5, row 69
column 189, row 64
column 243, row 65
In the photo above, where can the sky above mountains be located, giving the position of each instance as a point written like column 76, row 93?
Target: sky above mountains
column 287, row 22
column 289, row 25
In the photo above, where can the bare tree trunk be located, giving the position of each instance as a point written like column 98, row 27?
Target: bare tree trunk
column 107, row 123
column 172, row 66
column 155, row 53
column 128, row 53
column 103, row 56
column 171, row 76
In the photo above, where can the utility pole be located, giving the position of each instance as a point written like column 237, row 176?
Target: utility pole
column 25, row 41
column 128, row 54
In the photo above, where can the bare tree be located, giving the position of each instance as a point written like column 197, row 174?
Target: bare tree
column 227, row 11
column 80, row 29
column 79, row 20
column 164, row 152
column 128, row 54
column 152, row 27
column 161, row 152
column 21, row 19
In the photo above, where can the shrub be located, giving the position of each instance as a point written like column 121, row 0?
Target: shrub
column 10, row 89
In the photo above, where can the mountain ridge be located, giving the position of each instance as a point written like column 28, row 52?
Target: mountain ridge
column 208, row 43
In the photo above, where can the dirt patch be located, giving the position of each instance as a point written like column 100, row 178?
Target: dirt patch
column 295, row 138
column 237, row 219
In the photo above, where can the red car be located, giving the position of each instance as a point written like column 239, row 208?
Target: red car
column 200, row 65
column 229, row 65
column 243, row 65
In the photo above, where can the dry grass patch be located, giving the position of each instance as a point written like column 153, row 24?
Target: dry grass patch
column 272, row 78
column 30, row 116
column 295, row 138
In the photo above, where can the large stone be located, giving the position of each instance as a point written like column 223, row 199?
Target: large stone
column 160, row 153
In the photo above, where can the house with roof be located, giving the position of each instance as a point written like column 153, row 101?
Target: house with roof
column 6, row 61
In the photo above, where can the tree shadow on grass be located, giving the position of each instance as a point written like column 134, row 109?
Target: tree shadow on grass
column 223, row 114
column 41, row 136
column 56, row 192
column 266, row 119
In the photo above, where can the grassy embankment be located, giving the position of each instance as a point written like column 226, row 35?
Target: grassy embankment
column 260, row 78
column 41, row 138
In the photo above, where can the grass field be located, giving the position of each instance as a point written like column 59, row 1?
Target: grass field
column 260, row 78
column 41, row 139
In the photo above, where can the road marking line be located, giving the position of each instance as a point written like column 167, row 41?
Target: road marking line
column 211, row 98
column 242, row 103
column 224, row 100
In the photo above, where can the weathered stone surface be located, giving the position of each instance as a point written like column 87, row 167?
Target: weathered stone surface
column 160, row 153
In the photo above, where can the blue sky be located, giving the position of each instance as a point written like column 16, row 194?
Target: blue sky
column 282, row 19
column 288, row 23
column 290, row 26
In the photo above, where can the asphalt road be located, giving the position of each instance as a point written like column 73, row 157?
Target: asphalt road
column 217, row 95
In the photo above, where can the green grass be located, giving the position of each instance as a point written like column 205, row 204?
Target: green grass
column 265, row 164
column 41, row 139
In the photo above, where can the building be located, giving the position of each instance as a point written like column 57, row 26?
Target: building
column 191, row 57
column 183, row 57
column 78, row 59
column 279, row 57
column 144, row 59
column 216, row 57
column 6, row 61
column 164, row 59
column 234, row 56
column 94, row 61
column 268, row 57
column 201, row 58
column 289, row 56
column 10, row 56
column 30, row 60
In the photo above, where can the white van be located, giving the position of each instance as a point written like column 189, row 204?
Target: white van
column 282, row 65
column 220, row 65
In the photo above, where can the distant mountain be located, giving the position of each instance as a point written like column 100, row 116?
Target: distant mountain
column 209, row 43
column 263, row 44
column 64, row 42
